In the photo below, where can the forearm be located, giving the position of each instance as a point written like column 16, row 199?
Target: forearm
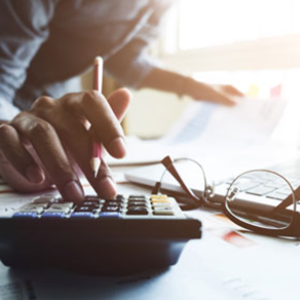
column 168, row 81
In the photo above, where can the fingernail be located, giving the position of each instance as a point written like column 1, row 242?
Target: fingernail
column 117, row 147
column 34, row 174
column 73, row 192
column 107, row 188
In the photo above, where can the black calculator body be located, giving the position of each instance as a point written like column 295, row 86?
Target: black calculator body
column 120, row 236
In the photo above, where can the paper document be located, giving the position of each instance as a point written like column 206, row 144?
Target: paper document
column 207, row 127
column 249, row 123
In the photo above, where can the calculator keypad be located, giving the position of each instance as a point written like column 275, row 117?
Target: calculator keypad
column 131, row 207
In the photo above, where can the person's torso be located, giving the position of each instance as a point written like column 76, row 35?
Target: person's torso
column 82, row 29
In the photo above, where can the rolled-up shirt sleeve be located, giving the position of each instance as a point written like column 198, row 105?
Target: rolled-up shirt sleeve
column 7, row 110
column 132, row 63
column 23, row 29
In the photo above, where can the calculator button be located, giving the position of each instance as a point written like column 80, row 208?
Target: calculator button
column 163, row 211
column 161, row 204
column 91, row 198
column 137, row 211
column 60, row 209
column 33, row 207
column 115, row 201
column 164, row 208
column 37, row 210
column 112, row 203
column 156, row 197
column 137, row 197
column 83, row 215
column 145, row 206
column 114, row 208
column 85, row 208
column 58, row 200
column 91, row 203
column 112, row 215
column 53, row 215
column 137, row 203
column 94, row 199
column 62, row 205
column 25, row 214
column 120, row 198
column 160, row 201
column 43, row 200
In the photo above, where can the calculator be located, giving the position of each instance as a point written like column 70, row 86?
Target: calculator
column 126, row 234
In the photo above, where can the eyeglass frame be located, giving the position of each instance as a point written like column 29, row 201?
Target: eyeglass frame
column 208, row 193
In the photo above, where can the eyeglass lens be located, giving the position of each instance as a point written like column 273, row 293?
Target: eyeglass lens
column 190, row 173
column 252, row 197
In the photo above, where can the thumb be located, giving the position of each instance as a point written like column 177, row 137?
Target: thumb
column 119, row 102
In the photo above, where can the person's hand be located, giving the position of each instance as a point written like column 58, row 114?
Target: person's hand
column 221, row 94
column 39, row 148
column 181, row 85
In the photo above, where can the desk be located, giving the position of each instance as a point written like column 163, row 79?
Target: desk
column 215, row 267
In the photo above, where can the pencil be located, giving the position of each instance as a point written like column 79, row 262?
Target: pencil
column 95, row 161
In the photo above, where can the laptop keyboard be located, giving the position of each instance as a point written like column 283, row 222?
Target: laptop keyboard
column 262, row 186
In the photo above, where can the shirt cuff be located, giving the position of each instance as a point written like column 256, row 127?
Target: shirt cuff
column 7, row 110
column 140, row 67
column 133, row 72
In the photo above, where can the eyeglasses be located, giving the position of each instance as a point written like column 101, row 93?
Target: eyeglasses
column 260, row 200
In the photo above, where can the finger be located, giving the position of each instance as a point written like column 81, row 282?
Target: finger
column 220, row 97
column 106, row 187
column 47, row 144
column 98, row 112
column 232, row 90
column 119, row 102
column 78, row 142
column 16, row 154
column 228, row 101
column 77, row 139
column 17, row 182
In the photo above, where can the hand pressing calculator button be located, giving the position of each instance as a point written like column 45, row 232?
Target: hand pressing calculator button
column 115, row 236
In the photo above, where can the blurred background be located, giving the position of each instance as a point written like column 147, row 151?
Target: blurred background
column 251, row 44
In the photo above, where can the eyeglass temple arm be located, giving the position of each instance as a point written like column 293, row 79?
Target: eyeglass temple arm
column 169, row 165
column 287, row 201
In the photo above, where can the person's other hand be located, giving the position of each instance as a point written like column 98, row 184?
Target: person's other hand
column 221, row 94
column 40, row 147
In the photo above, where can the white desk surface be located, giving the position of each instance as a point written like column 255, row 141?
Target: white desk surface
column 224, row 264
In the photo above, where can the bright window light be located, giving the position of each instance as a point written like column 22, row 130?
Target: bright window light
column 219, row 22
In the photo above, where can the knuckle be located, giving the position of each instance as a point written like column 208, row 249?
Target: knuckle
column 90, row 98
column 43, row 102
column 68, row 101
column 19, row 117
column 5, row 130
column 40, row 128
column 68, row 96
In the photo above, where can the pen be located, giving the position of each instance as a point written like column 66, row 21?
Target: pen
column 95, row 161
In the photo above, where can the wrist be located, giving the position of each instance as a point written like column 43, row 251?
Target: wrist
column 195, row 89
column 187, row 86
column 182, row 85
